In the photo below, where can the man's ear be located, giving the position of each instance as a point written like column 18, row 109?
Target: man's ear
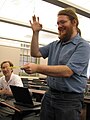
column 74, row 22
column 12, row 69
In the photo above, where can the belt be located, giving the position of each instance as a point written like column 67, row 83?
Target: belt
column 62, row 92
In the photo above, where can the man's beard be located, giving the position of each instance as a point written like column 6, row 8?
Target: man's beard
column 67, row 36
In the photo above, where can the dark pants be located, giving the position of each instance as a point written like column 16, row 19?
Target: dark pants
column 61, row 106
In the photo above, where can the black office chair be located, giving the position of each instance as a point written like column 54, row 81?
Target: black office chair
column 25, row 82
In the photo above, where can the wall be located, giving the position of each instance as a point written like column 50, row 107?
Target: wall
column 10, row 53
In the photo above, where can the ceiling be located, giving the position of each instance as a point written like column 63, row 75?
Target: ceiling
column 81, row 4
column 19, row 12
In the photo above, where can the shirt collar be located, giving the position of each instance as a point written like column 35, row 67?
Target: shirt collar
column 74, row 40
column 9, row 79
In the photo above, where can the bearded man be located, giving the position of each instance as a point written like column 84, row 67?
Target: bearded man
column 66, row 70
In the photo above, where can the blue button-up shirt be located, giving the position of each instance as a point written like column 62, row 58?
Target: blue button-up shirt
column 75, row 54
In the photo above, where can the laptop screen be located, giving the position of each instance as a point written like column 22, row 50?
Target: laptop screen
column 21, row 95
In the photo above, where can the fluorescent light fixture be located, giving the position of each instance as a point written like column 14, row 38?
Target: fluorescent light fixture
column 22, row 11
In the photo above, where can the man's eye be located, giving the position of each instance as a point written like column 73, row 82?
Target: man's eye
column 62, row 22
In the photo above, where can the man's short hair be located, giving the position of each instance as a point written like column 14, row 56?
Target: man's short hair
column 10, row 63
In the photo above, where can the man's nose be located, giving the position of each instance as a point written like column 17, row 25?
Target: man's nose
column 59, row 27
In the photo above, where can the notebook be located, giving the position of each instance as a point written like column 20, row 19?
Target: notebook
column 23, row 97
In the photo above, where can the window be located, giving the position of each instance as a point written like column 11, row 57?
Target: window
column 25, row 57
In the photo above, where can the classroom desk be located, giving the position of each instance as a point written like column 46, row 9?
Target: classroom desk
column 29, row 77
column 20, row 111
column 38, row 91
column 38, row 87
column 33, row 83
column 87, row 102
column 35, row 86
column 38, row 94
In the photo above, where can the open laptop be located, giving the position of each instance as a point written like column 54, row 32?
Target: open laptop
column 23, row 97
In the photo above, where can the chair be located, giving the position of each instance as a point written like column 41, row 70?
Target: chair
column 25, row 82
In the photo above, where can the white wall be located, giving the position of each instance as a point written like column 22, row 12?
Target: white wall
column 10, row 53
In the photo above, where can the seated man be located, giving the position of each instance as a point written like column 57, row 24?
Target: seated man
column 8, row 78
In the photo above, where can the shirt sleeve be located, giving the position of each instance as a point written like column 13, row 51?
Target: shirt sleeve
column 1, row 86
column 18, row 81
column 44, row 51
column 79, row 60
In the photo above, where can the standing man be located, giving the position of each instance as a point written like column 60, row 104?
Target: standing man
column 66, row 70
column 8, row 78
